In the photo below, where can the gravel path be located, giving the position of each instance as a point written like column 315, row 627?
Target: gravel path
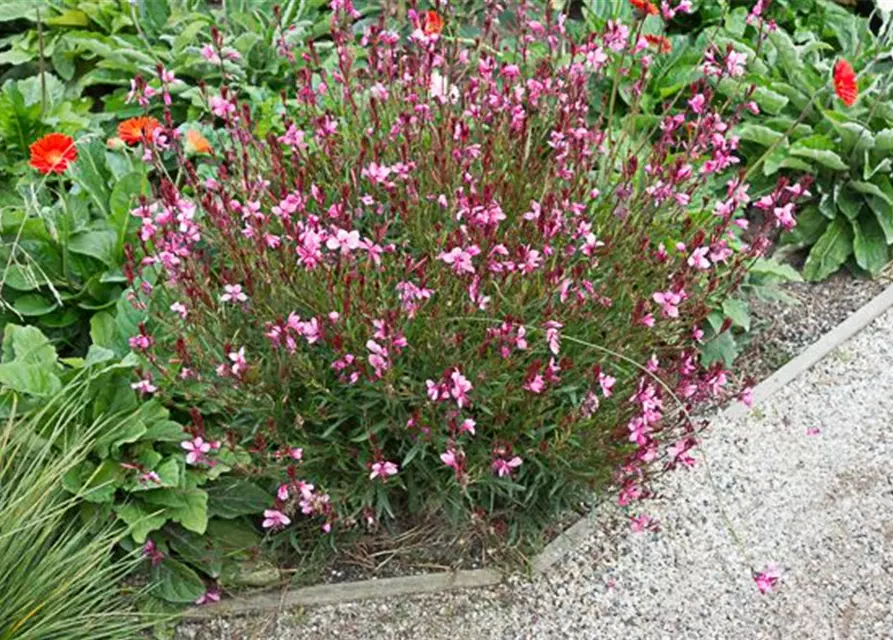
column 820, row 506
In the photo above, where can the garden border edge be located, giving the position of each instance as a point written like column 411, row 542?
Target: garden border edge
column 342, row 592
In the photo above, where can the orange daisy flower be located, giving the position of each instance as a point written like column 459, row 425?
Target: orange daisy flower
column 645, row 7
column 196, row 142
column 661, row 43
column 134, row 130
column 433, row 23
column 53, row 153
column 845, row 83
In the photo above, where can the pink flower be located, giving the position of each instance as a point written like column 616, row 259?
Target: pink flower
column 282, row 492
column 180, row 309
column 669, row 302
column 140, row 342
column 296, row 453
column 144, row 386
column 382, row 469
column 784, row 216
column 233, row 293
column 813, row 431
column 640, row 523
column 768, row 579
column 467, row 426
column 460, row 259
column 211, row 595
column 221, row 107
column 197, row 449
column 209, row 54
column 451, row 459
column 698, row 258
column 294, row 137
column 274, row 519
column 535, row 384
column 343, row 240
column 504, row 468
column 553, row 335
column 460, row 388
column 151, row 551
column 240, row 365
column 606, row 382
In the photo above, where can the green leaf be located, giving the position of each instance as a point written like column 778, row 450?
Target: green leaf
column 189, row 507
column 94, row 484
column 848, row 200
column 777, row 270
column 830, row 252
column 884, row 214
column 175, row 582
column 141, row 519
column 822, row 156
column 102, row 245
column 30, row 379
column 760, row 134
column 737, row 310
column 198, row 551
column 125, row 195
column 720, row 348
column 91, row 173
column 165, row 431
column 69, row 18
column 111, row 441
column 27, row 344
column 870, row 189
column 232, row 497
column 870, row 244
column 104, row 331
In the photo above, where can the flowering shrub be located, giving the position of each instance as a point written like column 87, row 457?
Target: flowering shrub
column 449, row 280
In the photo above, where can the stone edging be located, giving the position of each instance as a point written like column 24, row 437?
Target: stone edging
column 554, row 551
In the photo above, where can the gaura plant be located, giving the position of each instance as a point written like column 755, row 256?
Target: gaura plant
column 449, row 281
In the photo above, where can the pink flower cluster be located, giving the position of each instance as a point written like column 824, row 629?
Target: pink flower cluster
column 445, row 270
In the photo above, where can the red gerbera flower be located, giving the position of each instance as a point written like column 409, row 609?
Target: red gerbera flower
column 433, row 23
column 644, row 7
column 133, row 130
column 53, row 153
column 845, row 83
column 661, row 43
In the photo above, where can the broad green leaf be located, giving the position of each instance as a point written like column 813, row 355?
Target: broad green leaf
column 884, row 214
column 91, row 174
column 760, row 134
column 737, row 310
column 102, row 245
column 721, row 348
column 201, row 552
column 848, row 200
column 141, row 519
column 27, row 344
column 165, row 431
column 870, row 244
column 189, row 507
column 92, row 483
column 777, row 270
column 175, row 582
column 111, row 441
column 30, row 379
column 870, row 189
column 232, row 497
column 125, row 196
column 883, row 140
column 822, row 156
column 831, row 251
column 69, row 18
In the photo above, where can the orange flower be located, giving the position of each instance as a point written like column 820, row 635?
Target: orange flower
column 433, row 23
column 53, row 153
column 644, row 7
column 133, row 130
column 845, row 83
column 196, row 142
column 661, row 43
